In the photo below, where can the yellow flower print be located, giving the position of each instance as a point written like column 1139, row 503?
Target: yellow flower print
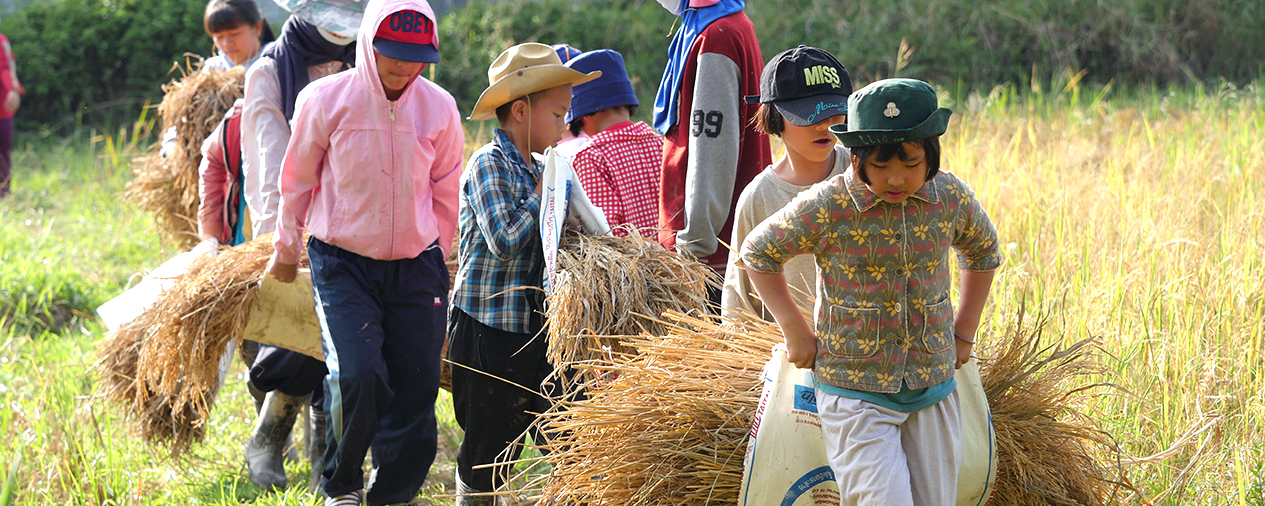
column 885, row 380
column 855, row 376
column 924, row 373
column 772, row 251
column 890, row 234
column 877, row 272
column 859, row 235
column 945, row 227
column 842, row 199
column 920, row 231
column 891, row 308
column 823, row 216
column 805, row 244
column 849, row 270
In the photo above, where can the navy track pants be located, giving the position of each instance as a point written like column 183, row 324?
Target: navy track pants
column 382, row 326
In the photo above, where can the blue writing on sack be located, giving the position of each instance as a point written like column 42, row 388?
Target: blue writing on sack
column 805, row 399
column 806, row 482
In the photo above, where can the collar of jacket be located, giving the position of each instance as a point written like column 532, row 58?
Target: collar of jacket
column 864, row 199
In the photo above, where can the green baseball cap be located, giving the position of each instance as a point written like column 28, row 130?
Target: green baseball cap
column 892, row 111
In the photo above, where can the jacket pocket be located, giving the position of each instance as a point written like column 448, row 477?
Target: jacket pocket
column 937, row 327
column 851, row 332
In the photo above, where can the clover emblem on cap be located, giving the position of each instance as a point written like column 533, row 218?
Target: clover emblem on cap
column 891, row 110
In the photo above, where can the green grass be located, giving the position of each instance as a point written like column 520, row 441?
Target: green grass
column 1135, row 216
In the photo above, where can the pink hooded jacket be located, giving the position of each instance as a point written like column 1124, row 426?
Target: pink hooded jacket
column 373, row 177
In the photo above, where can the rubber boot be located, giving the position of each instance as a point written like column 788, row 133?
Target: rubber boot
column 265, row 452
column 464, row 497
column 317, row 424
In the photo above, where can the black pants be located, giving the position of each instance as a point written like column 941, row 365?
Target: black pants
column 493, row 412
column 289, row 372
column 382, row 326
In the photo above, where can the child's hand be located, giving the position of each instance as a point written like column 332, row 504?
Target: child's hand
column 801, row 347
column 284, row 273
column 964, row 352
column 13, row 101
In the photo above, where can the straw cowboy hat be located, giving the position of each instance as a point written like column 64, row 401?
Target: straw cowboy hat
column 522, row 70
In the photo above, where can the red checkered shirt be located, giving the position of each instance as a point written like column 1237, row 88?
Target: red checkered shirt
column 619, row 170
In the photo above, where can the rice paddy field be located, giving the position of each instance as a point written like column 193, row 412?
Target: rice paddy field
column 1135, row 217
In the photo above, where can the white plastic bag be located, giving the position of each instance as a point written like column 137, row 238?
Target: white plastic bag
column 978, row 474
column 130, row 304
column 786, row 463
column 562, row 195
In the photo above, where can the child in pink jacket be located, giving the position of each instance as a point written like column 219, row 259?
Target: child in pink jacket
column 371, row 171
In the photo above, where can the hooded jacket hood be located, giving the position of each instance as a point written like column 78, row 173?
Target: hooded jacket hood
column 377, row 11
column 346, row 125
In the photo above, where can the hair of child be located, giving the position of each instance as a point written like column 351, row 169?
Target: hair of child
column 577, row 125
column 768, row 120
column 503, row 112
column 221, row 15
column 884, row 152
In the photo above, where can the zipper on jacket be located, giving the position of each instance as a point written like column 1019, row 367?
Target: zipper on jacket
column 391, row 132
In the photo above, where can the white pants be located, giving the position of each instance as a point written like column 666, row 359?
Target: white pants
column 883, row 457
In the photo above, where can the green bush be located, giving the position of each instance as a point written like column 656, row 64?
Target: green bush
column 98, row 61
column 956, row 43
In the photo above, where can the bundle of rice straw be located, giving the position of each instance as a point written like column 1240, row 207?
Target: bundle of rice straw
column 1048, row 452
column 608, row 287
column 194, row 105
column 672, row 428
column 164, row 367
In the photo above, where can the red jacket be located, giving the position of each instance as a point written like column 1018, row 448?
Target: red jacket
column 713, row 151
column 8, row 76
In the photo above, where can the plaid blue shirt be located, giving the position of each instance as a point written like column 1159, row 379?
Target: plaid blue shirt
column 501, row 262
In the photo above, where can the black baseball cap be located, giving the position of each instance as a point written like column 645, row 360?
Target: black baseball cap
column 805, row 84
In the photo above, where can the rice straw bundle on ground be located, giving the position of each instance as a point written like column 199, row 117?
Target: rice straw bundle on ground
column 607, row 286
column 165, row 365
column 194, row 105
column 672, row 428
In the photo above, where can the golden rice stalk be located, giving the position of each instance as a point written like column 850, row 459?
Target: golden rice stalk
column 168, row 188
column 672, row 426
column 164, row 366
column 608, row 287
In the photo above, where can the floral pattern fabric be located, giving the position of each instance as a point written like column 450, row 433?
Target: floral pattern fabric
column 883, row 312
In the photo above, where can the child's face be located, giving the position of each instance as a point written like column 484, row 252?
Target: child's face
column 895, row 180
column 546, row 117
column 396, row 74
column 812, row 143
column 239, row 44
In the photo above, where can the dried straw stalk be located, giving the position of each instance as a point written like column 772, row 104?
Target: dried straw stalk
column 1049, row 453
column 194, row 105
column 672, row 428
column 609, row 287
column 164, row 366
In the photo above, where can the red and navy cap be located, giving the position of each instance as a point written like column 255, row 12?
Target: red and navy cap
column 408, row 36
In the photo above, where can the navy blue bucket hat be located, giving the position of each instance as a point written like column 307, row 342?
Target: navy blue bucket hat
column 613, row 89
